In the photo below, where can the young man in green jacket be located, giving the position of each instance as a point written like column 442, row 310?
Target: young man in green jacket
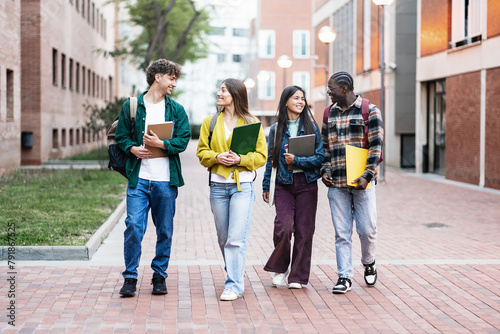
column 152, row 182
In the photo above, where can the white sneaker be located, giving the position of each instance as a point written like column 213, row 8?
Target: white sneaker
column 295, row 286
column 280, row 279
column 228, row 295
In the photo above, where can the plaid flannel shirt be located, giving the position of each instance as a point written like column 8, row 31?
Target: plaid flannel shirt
column 348, row 128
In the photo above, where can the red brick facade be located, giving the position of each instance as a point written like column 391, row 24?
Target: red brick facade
column 492, row 149
column 62, row 72
column 435, row 26
column 463, row 127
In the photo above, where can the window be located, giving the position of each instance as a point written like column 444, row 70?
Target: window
column 302, row 79
column 77, row 137
column 218, row 31
column 97, row 21
column 71, row 74
column 71, row 137
column 63, row 72
column 55, row 140
column 63, row 138
column 54, row 66
column 266, row 85
column 240, row 32
column 93, row 15
column 10, row 95
column 83, row 8
column 97, row 86
column 466, row 22
column 93, row 84
column 267, row 43
column 88, row 81
column 301, row 44
column 237, row 58
column 77, row 77
column 83, row 79
column 88, row 11
column 221, row 57
column 104, row 32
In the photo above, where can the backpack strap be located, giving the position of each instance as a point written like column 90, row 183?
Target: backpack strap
column 365, row 112
column 213, row 120
column 133, row 107
column 133, row 112
column 326, row 114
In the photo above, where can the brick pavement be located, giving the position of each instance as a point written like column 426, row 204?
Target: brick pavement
column 433, row 278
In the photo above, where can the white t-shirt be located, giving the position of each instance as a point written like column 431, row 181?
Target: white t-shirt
column 157, row 169
column 244, row 176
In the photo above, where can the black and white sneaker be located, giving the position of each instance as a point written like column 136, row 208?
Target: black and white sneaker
column 159, row 286
column 343, row 285
column 129, row 287
column 370, row 274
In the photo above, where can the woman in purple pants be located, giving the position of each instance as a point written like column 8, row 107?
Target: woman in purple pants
column 296, row 190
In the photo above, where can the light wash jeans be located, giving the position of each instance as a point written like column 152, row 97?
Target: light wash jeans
column 346, row 205
column 232, row 211
column 160, row 198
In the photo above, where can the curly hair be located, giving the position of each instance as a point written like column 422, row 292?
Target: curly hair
column 162, row 66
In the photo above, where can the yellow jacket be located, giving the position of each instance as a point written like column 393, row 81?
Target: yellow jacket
column 249, row 162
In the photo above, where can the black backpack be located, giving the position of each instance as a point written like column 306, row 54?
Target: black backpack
column 117, row 157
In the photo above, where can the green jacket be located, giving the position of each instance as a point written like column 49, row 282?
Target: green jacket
column 180, row 138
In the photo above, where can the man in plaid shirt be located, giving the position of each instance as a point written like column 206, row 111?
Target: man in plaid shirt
column 346, row 126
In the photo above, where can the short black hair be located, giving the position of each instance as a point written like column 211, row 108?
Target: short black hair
column 162, row 66
column 343, row 79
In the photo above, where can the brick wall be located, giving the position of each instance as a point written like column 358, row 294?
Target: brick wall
column 30, row 60
column 10, row 75
column 492, row 153
column 493, row 21
column 435, row 26
column 463, row 127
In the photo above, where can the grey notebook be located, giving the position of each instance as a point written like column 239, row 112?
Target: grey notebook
column 301, row 146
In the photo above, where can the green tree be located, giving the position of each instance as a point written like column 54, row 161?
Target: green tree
column 172, row 29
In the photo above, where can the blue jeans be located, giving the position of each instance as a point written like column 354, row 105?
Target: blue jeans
column 160, row 198
column 346, row 205
column 232, row 211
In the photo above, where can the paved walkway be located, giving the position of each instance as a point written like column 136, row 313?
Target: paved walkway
column 438, row 260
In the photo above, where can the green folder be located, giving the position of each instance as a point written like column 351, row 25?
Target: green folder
column 244, row 138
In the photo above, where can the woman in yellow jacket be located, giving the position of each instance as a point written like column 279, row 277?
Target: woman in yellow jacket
column 231, row 180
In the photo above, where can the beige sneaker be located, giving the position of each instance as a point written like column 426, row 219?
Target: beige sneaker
column 295, row 286
column 280, row 279
column 228, row 295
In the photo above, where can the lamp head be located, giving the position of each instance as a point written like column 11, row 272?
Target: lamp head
column 327, row 35
column 284, row 61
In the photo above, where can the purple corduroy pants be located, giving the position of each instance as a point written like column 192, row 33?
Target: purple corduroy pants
column 296, row 205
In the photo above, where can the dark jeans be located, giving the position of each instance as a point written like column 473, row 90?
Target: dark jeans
column 295, row 214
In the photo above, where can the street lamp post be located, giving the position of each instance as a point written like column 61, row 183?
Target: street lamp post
column 284, row 62
column 381, row 4
column 327, row 36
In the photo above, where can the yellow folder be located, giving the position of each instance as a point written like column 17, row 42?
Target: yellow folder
column 355, row 161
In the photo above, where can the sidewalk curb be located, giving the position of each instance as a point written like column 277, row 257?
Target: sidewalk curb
column 62, row 253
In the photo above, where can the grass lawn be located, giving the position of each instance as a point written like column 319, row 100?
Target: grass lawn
column 57, row 207
column 97, row 154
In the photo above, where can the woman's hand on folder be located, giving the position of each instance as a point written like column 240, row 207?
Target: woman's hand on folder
column 265, row 197
column 289, row 158
column 228, row 158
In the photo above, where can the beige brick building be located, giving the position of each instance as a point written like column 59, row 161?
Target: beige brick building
column 10, row 91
